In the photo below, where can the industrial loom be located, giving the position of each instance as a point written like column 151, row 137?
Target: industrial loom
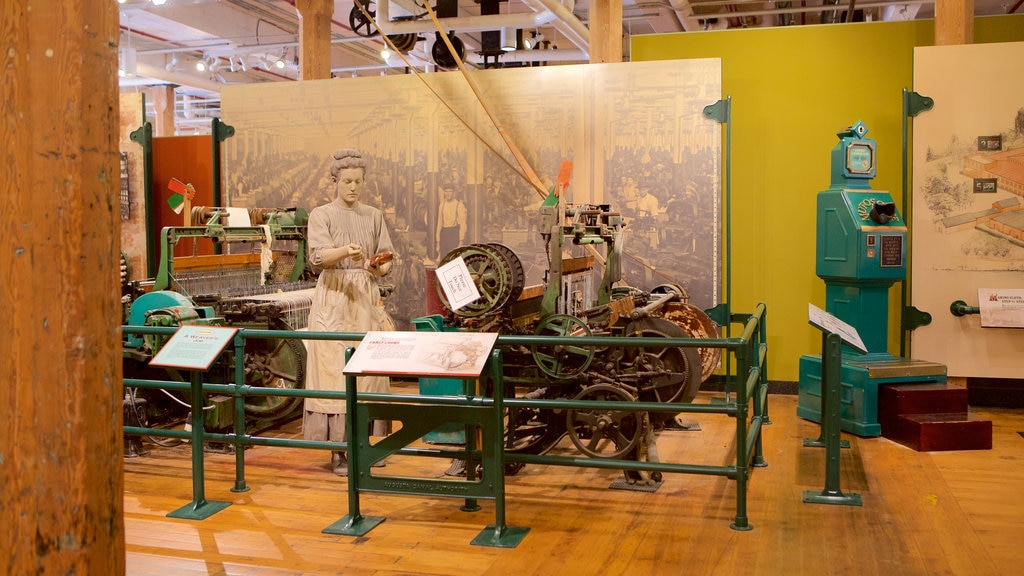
column 257, row 279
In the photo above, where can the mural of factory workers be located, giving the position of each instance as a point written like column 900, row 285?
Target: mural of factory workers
column 647, row 129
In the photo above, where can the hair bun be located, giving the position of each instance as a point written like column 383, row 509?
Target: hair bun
column 347, row 153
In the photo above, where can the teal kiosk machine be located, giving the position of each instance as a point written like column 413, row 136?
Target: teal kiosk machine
column 861, row 253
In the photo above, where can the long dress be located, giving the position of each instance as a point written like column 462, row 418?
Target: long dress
column 346, row 298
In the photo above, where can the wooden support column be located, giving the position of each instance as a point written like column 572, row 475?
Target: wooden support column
column 162, row 98
column 61, row 447
column 954, row 22
column 605, row 31
column 315, row 38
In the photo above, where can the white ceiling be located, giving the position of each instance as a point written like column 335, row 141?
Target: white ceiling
column 245, row 38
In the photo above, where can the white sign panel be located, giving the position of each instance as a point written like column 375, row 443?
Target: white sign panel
column 457, row 283
column 454, row 354
column 1001, row 308
column 829, row 323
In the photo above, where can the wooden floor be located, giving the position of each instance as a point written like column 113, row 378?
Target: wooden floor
column 923, row 513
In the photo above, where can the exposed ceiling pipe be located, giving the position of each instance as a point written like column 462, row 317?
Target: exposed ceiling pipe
column 900, row 12
column 459, row 24
column 534, row 56
column 691, row 20
column 545, row 13
column 799, row 9
column 566, row 23
column 159, row 72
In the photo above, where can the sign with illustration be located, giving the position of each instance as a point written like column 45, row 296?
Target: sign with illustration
column 450, row 354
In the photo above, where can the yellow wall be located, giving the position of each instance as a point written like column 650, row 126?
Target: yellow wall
column 792, row 89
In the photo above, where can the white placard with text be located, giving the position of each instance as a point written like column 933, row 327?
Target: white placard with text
column 457, row 283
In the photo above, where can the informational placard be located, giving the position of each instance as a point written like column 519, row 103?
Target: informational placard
column 452, row 354
column 829, row 323
column 194, row 347
column 457, row 283
column 1001, row 307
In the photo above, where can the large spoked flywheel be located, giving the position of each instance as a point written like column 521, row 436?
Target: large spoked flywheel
column 664, row 374
column 497, row 274
column 362, row 22
column 562, row 360
column 274, row 363
column 601, row 432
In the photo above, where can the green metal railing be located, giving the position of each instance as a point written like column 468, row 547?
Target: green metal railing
column 748, row 406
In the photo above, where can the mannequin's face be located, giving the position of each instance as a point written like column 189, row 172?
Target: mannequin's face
column 350, row 185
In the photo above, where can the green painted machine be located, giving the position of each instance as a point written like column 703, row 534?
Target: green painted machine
column 861, row 253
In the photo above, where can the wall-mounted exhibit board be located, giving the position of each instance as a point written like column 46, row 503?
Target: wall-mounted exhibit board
column 968, row 203
column 624, row 126
column 792, row 89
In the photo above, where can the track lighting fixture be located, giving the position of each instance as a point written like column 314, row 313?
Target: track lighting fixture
column 508, row 40
column 533, row 41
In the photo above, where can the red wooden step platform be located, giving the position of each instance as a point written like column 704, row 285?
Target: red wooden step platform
column 931, row 417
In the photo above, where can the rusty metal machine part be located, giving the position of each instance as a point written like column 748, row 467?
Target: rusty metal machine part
column 697, row 324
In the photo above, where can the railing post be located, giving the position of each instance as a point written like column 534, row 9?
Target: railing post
column 199, row 508
column 239, row 405
column 831, row 361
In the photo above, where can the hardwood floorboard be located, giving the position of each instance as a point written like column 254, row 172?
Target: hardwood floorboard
column 934, row 513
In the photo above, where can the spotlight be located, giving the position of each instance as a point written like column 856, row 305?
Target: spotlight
column 508, row 41
column 279, row 64
column 159, row 2
column 533, row 41
column 385, row 54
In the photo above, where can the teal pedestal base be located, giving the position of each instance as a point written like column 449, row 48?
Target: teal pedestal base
column 859, row 388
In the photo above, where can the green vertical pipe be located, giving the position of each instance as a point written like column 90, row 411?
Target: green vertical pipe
column 906, row 216
column 143, row 136
column 239, row 404
column 219, row 132
column 497, row 441
column 831, row 413
column 728, row 203
column 198, row 429
column 354, row 515
column 743, row 366
column 913, row 104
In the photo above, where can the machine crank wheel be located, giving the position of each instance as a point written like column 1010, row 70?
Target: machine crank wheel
column 358, row 21
column 528, row 430
column 493, row 274
column 675, row 372
column 518, row 274
column 562, row 360
column 604, row 433
column 274, row 363
column 442, row 56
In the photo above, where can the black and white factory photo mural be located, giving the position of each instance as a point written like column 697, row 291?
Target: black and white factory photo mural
column 634, row 133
